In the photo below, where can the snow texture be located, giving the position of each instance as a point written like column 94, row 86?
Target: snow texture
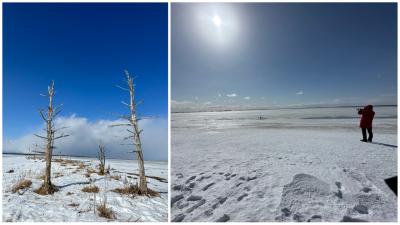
column 278, row 165
column 70, row 203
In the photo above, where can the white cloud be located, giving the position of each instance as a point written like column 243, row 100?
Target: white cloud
column 247, row 98
column 300, row 93
column 231, row 95
column 175, row 103
column 219, row 95
column 85, row 135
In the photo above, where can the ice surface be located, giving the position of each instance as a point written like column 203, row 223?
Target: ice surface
column 26, row 205
column 282, row 165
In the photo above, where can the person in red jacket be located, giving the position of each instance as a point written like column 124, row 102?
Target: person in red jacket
column 367, row 115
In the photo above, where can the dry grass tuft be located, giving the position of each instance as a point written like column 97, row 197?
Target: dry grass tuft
column 66, row 161
column 58, row 174
column 116, row 177
column 105, row 212
column 22, row 184
column 69, row 193
column 91, row 189
column 134, row 190
column 89, row 171
column 41, row 177
column 73, row 204
column 101, row 173
column 43, row 191
column 81, row 166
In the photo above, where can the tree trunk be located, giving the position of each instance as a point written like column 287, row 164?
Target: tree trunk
column 49, row 146
column 48, row 187
column 136, row 136
column 47, row 177
column 139, row 157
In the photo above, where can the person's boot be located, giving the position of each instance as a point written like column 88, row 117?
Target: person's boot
column 363, row 140
column 369, row 140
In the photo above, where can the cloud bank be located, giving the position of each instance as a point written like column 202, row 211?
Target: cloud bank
column 85, row 136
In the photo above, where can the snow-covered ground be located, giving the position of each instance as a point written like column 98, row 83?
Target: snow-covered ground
column 282, row 165
column 70, row 203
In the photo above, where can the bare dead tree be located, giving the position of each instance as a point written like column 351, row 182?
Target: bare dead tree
column 102, row 159
column 48, row 187
column 134, row 132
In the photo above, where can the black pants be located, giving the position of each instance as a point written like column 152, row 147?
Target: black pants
column 364, row 133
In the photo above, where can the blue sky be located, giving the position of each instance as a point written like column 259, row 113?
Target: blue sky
column 84, row 48
column 269, row 54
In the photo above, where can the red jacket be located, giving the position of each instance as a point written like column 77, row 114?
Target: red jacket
column 367, row 115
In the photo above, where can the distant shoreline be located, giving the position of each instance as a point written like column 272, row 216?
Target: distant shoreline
column 72, row 156
column 211, row 109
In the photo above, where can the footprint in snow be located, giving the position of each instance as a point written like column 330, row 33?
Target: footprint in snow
column 177, row 187
column 299, row 217
column 208, row 212
column 182, row 204
column 197, row 205
column 207, row 186
column 251, row 178
column 176, row 198
column 366, row 189
column 220, row 201
column 350, row 219
column 338, row 184
column 194, row 198
column 191, row 185
column 203, row 177
column 339, row 193
column 223, row 218
column 315, row 218
column 190, row 179
column 362, row 209
column 242, row 196
column 179, row 218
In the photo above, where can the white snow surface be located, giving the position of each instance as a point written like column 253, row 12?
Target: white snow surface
column 26, row 205
column 282, row 165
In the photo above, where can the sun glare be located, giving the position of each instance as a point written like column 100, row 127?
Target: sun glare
column 217, row 21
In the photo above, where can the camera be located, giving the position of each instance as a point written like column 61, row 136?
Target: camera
column 359, row 110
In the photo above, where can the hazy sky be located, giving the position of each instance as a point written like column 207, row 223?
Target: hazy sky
column 84, row 48
column 281, row 54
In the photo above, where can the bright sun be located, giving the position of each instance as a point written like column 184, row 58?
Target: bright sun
column 217, row 21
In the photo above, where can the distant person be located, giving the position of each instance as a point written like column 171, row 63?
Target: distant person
column 367, row 115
